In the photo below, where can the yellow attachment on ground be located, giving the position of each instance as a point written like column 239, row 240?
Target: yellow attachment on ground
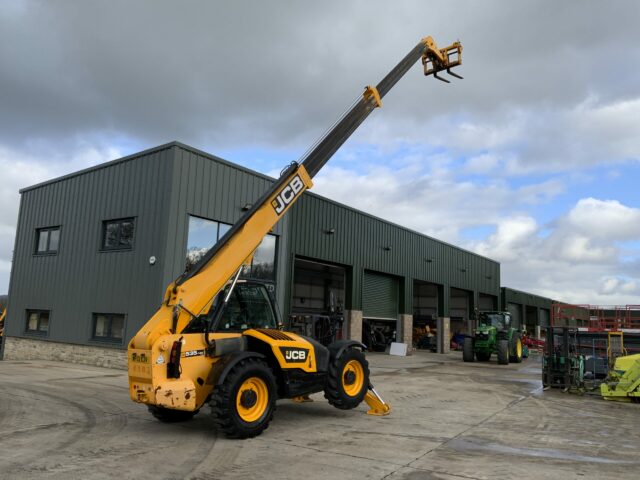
column 252, row 399
column 372, row 92
column 302, row 399
column 519, row 348
column 376, row 404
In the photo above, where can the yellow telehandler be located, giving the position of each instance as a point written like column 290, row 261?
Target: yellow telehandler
column 217, row 339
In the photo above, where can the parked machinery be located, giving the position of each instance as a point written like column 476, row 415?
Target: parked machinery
column 623, row 382
column 216, row 339
column 563, row 366
column 494, row 333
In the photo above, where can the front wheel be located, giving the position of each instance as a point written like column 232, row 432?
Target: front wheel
column 347, row 379
column 467, row 349
column 243, row 405
column 503, row 352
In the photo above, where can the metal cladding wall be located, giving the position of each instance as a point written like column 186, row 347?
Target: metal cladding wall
column 509, row 295
column 207, row 186
column 81, row 279
column 362, row 241
column 160, row 188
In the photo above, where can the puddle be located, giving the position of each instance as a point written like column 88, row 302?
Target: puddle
column 472, row 444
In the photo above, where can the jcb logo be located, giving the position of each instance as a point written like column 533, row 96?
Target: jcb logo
column 287, row 194
column 294, row 355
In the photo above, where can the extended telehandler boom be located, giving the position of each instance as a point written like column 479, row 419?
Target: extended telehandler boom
column 217, row 338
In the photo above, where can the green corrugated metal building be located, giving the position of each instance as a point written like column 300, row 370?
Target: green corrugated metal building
column 95, row 249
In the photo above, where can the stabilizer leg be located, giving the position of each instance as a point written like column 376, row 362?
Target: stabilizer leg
column 376, row 404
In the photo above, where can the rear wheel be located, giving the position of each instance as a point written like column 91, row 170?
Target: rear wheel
column 169, row 415
column 347, row 380
column 503, row 352
column 516, row 349
column 467, row 350
column 243, row 405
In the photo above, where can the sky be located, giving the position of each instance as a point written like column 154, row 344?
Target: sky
column 532, row 160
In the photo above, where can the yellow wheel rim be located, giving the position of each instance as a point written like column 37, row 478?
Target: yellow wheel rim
column 352, row 378
column 252, row 399
column 519, row 348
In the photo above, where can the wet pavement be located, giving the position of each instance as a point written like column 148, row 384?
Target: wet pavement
column 450, row 420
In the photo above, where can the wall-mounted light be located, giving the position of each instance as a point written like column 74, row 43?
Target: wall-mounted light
column 429, row 259
column 387, row 248
column 463, row 270
column 489, row 277
column 246, row 206
column 330, row 231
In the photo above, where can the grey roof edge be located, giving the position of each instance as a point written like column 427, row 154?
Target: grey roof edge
column 100, row 166
column 401, row 227
column 528, row 293
column 148, row 151
column 214, row 158
column 223, row 161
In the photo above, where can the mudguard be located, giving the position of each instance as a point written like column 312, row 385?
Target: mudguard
column 339, row 346
column 222, row 368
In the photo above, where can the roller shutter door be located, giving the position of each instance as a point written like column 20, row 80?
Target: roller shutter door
column 380, row 296
column 516, row 317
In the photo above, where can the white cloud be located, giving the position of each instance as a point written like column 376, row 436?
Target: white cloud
column 21, row 169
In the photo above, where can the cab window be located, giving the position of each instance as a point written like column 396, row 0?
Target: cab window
column 249, row 307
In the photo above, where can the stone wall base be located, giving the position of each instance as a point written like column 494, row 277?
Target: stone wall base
column 406, row 329
column 353, row 319
column 16, row 348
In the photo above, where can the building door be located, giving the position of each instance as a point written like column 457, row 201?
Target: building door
column 487, row 302
column 380, row 299
column 459, row 310
column 515, row 309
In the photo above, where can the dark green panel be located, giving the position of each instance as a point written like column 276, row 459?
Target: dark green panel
column 379, row 296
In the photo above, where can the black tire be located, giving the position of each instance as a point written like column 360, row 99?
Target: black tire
column 224, row 409
column 334, row 390
column 169, row 415
column 503, row 352
column 515, row 353
column 483, row 356
column 467, row 350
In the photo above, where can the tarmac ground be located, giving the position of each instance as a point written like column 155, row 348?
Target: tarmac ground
column 450, row 420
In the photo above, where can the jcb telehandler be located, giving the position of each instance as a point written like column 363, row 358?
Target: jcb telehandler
column 217, row 339
column 494, row 334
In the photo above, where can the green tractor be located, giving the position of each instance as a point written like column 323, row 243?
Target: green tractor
column 494, row 334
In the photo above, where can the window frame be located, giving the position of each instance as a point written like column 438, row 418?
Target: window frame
column 117, row 248
column 37, row 331
column 48, row 251
column 108, row 339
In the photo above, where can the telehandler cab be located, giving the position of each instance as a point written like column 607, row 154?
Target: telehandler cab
column 217, row 339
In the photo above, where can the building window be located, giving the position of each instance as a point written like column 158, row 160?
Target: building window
column 38, row 322
column 263, row 265
column 117, row 234
column 47, row 240
column 108, row 326
column 205, row 233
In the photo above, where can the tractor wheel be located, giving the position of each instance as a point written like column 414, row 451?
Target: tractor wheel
column 516, row 349
column 347, row 380
column 169, row 415
column 503, row 352
column 467, row 349
column 243, row 405
column 483, row 356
